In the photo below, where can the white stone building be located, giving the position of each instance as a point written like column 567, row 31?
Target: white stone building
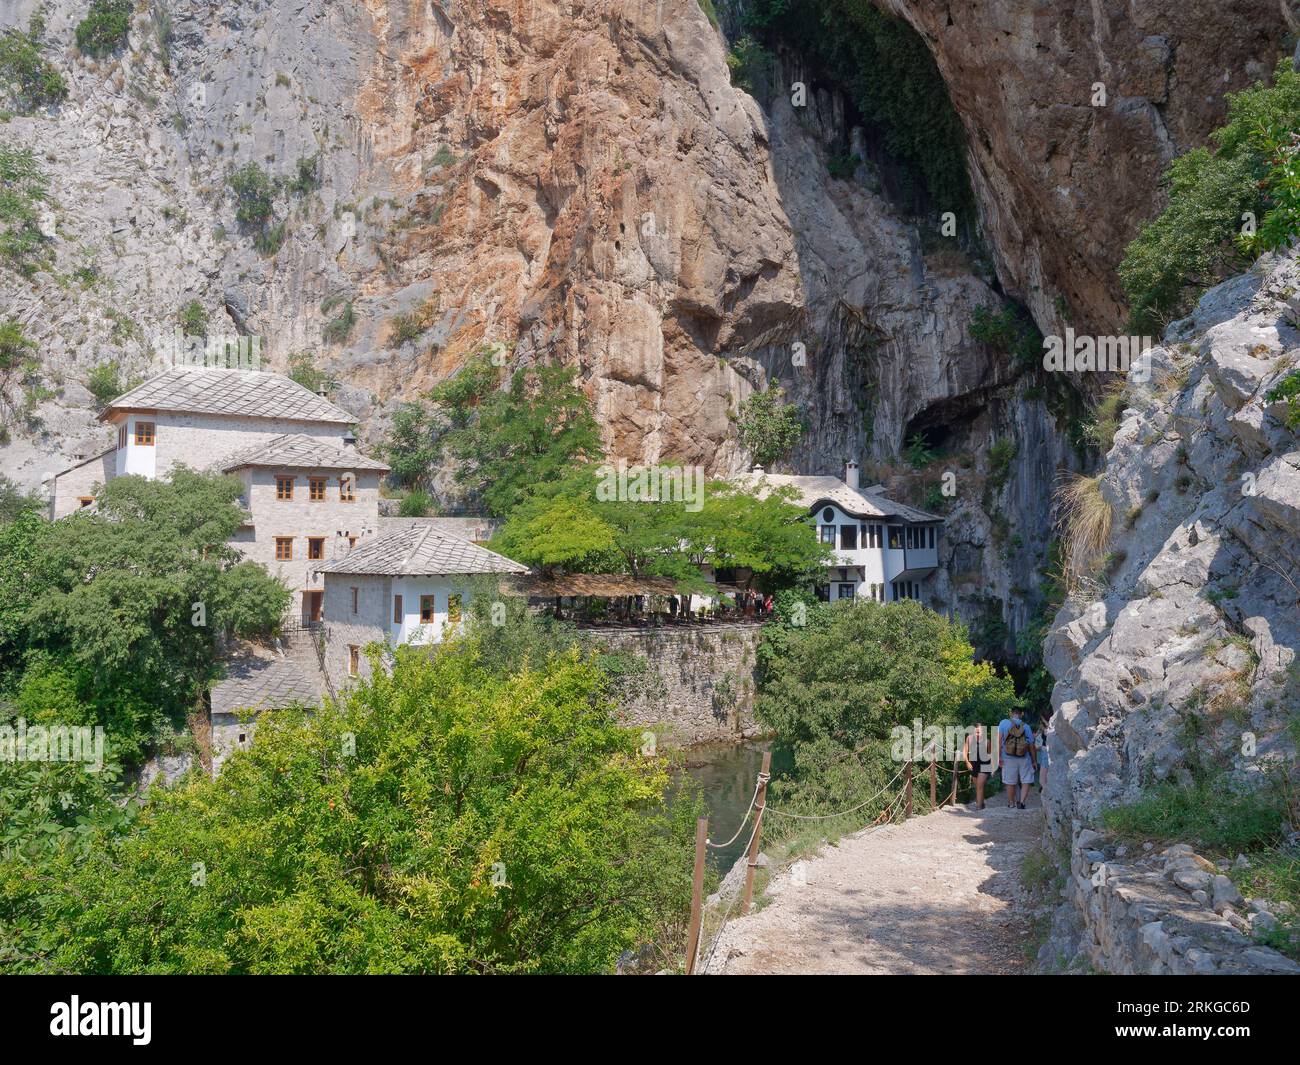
column 409, row 586
column 884, row 549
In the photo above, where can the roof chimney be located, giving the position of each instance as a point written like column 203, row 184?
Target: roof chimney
column 758, row 471
column 851, row 474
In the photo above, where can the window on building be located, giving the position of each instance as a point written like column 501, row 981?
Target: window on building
column 144, row 434
column 352, row 542
column 356, row 595
column 426, row 609
column 316, row 547
column 397, row 610
column 347, row 489
column 846, row 591
column 85, row 501
column 453, row 608
column 283, row 548
column 828, row 515
column 316, row 489
column 284, row 488
column 828, row 535
column 121, row 435
column 354, row 660
column 895, row 538
column 849, row 537
column 930, row 537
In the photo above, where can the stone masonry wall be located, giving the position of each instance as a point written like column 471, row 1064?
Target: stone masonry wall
column 707, row 675
column 1142, row 910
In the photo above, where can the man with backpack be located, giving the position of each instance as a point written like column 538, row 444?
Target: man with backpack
column 1017, row 757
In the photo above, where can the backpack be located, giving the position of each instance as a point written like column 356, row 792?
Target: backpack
column 1015, row 745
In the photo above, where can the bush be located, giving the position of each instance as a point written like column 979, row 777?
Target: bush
column 339, row 328
column 1192, row 244
column 254, row 196
column 416, row 504
column 104, row 29
column 1288, row 390
column 1001, row 455
column 23, row 186
column 768, row 427
column 193, row 319
column 1011, row 331
column 105, row 382
column 444, row 819
column 31, row 80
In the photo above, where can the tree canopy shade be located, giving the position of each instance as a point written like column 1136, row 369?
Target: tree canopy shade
column 834, row 687
column 449, row 818
column 126, row 600
column 567, row 524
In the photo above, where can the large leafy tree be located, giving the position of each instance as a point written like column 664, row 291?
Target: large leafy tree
column 509, row 441
column 127, row 599
column 451, row 817
column 769, row 427
column 835, row 679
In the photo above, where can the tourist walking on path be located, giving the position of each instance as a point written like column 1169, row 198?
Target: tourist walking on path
column 1017, row 757
column 977, row 744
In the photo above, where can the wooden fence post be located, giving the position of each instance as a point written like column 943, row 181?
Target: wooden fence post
column 758, row 829
column 697, row 895
column 952, row 799
column 934, row 782
column 907, row 791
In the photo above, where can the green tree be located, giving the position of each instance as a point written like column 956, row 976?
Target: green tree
column 834, row 688
column 14, row 501
column 507, row 442
column 19, row 367
column 412, row 446
column 769, row 428
column 23, row 186
column 486, row 823
column 128, row 599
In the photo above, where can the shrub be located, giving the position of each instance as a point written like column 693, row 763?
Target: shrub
column 768, row 427
column 307, row 178
column 416, row 504
column 254, row 195
column 105, row 382
column 23, row 185
column 31, row 80
column 303, row 369
column 1192, row 243
column 1001, row 455
column 1010, row 331
column 1288, row 390
column 104, row 29
column 919, row 453
column 193, row 319
column 1085, row 520
column 339, row 328
column 752, row 69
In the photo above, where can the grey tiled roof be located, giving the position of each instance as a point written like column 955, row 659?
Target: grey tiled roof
column 810, row 491
column 242, row 393
column 419, row 551
column 295, row 449
column 464, row 527
column 264, row 684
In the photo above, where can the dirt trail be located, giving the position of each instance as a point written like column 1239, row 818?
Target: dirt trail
column 936, row 894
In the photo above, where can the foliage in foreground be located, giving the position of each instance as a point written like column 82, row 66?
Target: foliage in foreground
column 451, row 818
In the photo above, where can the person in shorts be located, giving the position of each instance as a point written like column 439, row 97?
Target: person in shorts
column 980, row 765
column 1016, row 755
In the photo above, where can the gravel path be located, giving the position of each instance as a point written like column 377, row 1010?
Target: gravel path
column 936, row 894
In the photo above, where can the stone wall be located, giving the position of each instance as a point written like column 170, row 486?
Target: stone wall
column 1159, row 911
column 705, row 687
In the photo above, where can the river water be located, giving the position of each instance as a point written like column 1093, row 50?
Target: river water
column 725, row 775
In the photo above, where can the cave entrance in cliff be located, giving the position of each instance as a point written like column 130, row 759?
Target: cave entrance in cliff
column 942, row 427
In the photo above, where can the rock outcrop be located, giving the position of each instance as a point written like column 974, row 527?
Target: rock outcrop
column 1184, row 657
column 1064, row 174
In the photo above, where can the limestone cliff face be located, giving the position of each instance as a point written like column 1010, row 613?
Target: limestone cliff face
column 1188, row 652
column 578, row 181
column 1062, row 183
